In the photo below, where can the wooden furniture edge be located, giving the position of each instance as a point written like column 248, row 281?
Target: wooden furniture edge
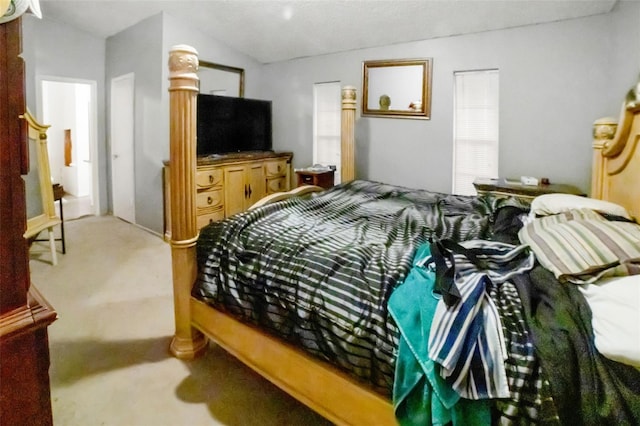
column 221, row 162
column 37, row 313
column 38, row 132
column 347, row 134
column 187, row 342
column 232, row 159
column 48, row 218
column 309, row 380
column 616, row 159
column 279, row 196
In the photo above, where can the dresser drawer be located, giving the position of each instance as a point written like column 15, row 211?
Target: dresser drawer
column 208, row 178
column 276, row 185
column 203, row 220
column 209, row 199
column 275, row 168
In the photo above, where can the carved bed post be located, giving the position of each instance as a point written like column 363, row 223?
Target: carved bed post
column 616, row 165
column 603, row 131
column 348, row 166
column 183, row 89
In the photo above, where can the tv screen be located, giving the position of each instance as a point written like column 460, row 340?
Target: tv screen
column 228, row 124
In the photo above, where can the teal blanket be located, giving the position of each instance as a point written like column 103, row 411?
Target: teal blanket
column 420, row 395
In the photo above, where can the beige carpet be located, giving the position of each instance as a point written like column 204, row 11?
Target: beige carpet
column 109, row 347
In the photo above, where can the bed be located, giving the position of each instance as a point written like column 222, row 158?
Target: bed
column 326, row 387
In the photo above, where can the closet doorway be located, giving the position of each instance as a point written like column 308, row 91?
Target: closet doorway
column 70, row 107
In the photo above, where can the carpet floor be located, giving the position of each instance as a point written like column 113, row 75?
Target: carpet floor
column 110, row 363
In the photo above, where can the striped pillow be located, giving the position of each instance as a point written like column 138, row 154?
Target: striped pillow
column 580, row 246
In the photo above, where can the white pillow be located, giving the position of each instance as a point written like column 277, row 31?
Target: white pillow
column 549, row 204
column 615, row 305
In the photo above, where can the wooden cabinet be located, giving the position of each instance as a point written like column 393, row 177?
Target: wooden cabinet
column 24, row 313
column 209, row 195
column 231, row 184
column 244, row 184
column 277, row 175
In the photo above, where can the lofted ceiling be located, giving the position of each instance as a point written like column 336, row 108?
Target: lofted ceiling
column 278, row 30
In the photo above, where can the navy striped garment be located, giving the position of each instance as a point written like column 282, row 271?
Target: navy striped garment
column 466, row 338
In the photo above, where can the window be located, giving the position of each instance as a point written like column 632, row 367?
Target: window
column 475, row 128
column 326, row 125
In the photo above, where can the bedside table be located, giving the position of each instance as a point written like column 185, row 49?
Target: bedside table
column 323, row 179
column 506, row 188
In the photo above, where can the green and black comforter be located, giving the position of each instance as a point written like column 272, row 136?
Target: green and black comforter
column 318, row 271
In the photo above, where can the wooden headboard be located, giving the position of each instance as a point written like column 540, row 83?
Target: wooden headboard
column 616, row 159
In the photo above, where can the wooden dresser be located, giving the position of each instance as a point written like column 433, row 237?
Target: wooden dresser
column 24, row 314
column 229, row 184
column 506, row 188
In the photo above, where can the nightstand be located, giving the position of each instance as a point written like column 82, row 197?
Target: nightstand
column 506, row 187
column 323, row 179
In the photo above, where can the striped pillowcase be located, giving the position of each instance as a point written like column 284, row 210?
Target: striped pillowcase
column 580, row 246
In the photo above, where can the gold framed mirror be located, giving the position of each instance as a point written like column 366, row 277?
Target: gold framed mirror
column 40, row 206
column 397, row 88
column 222, row 80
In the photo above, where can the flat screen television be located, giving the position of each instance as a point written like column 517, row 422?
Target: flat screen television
column 229, row 124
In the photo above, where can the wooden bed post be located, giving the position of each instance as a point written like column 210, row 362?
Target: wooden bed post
column 348, row 164
column 616, row 164
column 187, row 342
column 603, row 131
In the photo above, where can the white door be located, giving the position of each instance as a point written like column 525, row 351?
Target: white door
column 122, row 153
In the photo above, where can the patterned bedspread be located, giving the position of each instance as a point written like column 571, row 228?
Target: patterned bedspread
column 318, row 271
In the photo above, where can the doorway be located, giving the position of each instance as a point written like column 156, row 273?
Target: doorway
column 70, row 107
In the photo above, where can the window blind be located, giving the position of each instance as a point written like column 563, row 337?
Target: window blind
column 476, row 128
column 326, row 125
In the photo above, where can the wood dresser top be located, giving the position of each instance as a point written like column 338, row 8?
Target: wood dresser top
column 514, row 186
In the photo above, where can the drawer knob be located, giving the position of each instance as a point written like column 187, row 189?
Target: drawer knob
column 209, row 200
column 210, row 178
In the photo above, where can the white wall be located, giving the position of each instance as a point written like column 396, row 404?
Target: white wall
column 144, row 50
column 177, row 32
column 138, row 50
column 623, row 61
column 56, row 50
column 555, row 80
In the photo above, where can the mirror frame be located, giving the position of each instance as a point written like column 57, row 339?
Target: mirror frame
column 227, row 68
column 423, row 111
column 48, row 218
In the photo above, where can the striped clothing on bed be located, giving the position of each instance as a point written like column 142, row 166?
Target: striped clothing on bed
column 466, row 339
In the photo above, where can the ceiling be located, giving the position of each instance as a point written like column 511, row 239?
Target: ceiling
column 277, row 30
